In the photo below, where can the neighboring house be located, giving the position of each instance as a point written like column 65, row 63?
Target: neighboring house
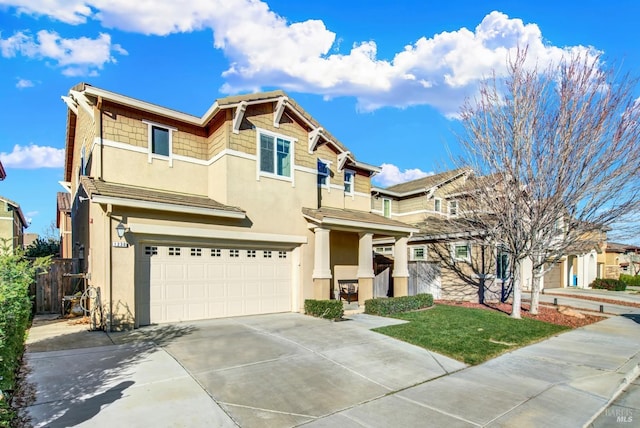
column 619, row 259
column 3, row 173
column 249, row 209
column 63, row 223
column 28, row 239
column 12, row 224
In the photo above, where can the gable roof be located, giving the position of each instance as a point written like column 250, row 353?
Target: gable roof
column 616, row 247
column 422, row 185
column 140, row 197
column 353, row 218
column 85, row 95
column 16, row 208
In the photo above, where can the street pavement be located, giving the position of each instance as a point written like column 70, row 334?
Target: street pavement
column 287, row 370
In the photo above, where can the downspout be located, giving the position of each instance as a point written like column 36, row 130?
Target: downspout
column 100, row 133
column 109, row 266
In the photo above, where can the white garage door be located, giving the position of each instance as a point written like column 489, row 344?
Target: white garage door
column 191, row 283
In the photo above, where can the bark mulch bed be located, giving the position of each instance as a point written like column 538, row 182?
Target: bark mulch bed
column 546, row 314
column 599, row 299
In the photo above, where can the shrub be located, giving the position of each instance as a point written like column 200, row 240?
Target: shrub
column 329, row 309
column 394, row 305
column 608, row 284
column 16, row 274
column 633, row 280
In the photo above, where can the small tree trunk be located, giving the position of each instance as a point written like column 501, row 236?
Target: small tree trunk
column 535, row 286
column 535, row 294
column 517, row 293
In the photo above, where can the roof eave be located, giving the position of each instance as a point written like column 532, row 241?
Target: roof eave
column 163, row 206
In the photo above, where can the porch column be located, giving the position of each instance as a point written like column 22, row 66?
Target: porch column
column 321, row 266
column 400, row 267
column 365, row 267
column 581, row 271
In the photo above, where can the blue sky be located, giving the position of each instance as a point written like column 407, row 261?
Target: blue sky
column 377, row 75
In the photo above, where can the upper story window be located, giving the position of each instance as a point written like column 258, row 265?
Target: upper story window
column 160, row 141
column 323, row 173
column 386, row 207
column 437, row 205
column 453, row 207
column 349, row 177
column 275, row 155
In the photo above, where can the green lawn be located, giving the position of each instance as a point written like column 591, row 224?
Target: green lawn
column 469, row 335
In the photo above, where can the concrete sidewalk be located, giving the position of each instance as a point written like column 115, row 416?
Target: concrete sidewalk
column 564, row 381
column 289, row 370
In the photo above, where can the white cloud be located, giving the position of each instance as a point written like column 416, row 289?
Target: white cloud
column 391, row 175
column 81, row 56
column 33, row 157
column 440, row 70
column 24, row 83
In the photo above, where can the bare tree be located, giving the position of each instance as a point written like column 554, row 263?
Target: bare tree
column 560, row 145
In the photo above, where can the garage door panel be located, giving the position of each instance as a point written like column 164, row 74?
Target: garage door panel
column 175, row 271
column 189, row 283
column 197, row 291
column 196, row 272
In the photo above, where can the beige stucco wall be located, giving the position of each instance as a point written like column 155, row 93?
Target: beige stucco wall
column 133, row 168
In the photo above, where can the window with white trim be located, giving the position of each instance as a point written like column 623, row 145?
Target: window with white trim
column 251, row 254
column 196, row 252
column 386, row 207
column 349, row 177
column 282, row 254
column 461, row 252
column 174, row 251
column 160, row 140
column 437, row 205
column 216, row 252
column 275, row 155
column 502, row 264
column 266, row 254
column 151, row 251
column 234, row 253
column 418, row 253
column 453, row 208
column 323, row 173
column 383, row 250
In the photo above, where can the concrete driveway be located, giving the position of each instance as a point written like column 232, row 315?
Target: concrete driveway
column 270, row 370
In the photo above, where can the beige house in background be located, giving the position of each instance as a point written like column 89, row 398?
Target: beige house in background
column 618, row 258
column 63, row 223
column 249, row 209
column 12, row 224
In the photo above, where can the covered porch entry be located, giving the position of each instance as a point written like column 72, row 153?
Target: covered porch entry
column 343, row 251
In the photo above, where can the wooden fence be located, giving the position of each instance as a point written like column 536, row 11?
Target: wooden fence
column 51, row 286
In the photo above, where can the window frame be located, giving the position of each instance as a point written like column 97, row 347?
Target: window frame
column 275, row 136
column 151, row 155
column 352, row 182
column 327, row 176
column 454, row 203
column 437, row 205
column 502, row 265
column 386, row 203
column 412, row 253
column 454, row 252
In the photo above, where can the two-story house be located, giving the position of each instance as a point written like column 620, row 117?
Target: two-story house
column 12, row 225
column 250, row 208
column 449, row 257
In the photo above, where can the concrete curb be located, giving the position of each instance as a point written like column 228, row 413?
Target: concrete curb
column 631, row 376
